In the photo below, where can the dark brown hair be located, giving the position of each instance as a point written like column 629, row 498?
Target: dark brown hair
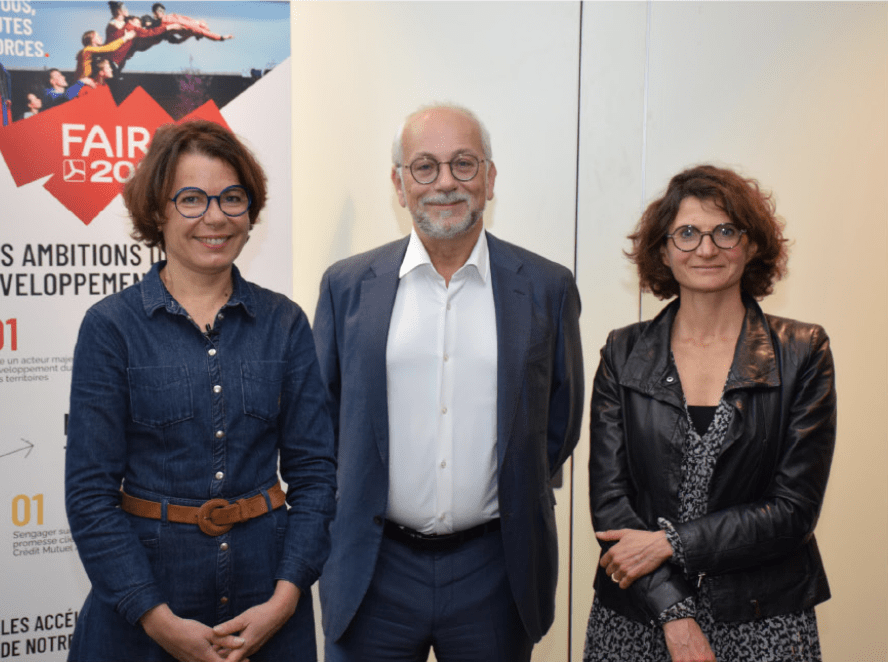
column 745, row 204
column 148, row 191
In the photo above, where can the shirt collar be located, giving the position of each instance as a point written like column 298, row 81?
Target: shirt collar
column 156, row 296
column 417, row 255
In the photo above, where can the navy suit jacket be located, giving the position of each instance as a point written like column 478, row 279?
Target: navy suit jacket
column 539, row 411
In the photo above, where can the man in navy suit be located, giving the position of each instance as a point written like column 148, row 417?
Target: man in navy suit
column 454, row 377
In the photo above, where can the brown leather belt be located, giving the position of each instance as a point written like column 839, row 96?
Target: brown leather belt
column 214, row 517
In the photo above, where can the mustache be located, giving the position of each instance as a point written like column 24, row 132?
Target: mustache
column 445, row 198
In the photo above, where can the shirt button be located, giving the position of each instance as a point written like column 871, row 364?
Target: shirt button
column 448, row 305
column 670, row 379
column 443, row 410
column 220, row 316
column 443, row 463
column 212, row 352
column 220, row 434
column 217, row 389
column 224, row 546
column 223, row 601
column 219, row 475
column 446, row 357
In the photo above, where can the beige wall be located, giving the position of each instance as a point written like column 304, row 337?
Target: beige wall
column 795, row 94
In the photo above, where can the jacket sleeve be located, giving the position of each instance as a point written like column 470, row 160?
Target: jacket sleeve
column 104, row 48
column 566, row 399
column 326, row 344
column 86, row 55
column 95, row 460
column 307, row 463
column 148, row 33
column 612, row 490
column 72, row 91
column 784, row 518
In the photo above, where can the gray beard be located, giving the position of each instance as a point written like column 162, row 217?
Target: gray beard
column 438, row 230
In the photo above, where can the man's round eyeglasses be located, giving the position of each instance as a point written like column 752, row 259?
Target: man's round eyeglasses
column 687, row 238
column 463, row 168
column 193, row 202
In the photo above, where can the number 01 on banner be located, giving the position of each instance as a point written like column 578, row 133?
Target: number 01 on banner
column 9, row 327
column 21, row 509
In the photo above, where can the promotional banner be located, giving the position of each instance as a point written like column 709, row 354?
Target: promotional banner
column 84, row 86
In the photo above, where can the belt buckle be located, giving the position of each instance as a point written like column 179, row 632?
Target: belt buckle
column 205, row 514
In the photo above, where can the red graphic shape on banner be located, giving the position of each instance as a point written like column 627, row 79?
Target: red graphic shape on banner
column 88, row 145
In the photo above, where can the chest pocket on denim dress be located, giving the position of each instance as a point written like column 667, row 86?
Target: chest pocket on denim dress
column 160, row 395
column 262, row 388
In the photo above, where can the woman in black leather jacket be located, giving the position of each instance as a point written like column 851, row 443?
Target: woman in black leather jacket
column 712, row 434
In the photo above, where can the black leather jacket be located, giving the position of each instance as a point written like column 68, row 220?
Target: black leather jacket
column 755, row 548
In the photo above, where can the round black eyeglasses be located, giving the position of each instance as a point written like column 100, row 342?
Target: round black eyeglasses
column 193, row 202
column 463, row 168
column 688, row 238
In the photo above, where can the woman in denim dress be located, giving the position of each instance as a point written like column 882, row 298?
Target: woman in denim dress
column 190, row 390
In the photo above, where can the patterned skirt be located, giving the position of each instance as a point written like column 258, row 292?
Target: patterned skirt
column 611, row 637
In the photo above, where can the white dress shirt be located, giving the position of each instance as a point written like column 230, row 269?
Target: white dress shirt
column 441, row 359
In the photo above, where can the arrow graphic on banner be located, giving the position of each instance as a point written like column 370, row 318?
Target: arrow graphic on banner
column 19, row 450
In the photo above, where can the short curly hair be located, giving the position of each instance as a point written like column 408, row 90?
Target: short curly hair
column 146, row 194
column 745, row 204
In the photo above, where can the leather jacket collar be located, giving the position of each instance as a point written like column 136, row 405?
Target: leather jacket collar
column 650, row 369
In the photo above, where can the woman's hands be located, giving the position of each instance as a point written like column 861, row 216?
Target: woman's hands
column 257, row 625
column 636, row 554
column 686, row 641
column 232, row 641
column 185, row 639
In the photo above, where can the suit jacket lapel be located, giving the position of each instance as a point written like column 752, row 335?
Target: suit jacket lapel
column 512, row 302
column 378, row 290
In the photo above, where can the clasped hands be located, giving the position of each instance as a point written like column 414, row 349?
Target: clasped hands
column 232, row 641
column 635, row 554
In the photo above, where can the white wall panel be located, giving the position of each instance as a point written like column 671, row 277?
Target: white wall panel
column 611, row 163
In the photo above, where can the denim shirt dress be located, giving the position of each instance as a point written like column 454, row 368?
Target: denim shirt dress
column 179, row 416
